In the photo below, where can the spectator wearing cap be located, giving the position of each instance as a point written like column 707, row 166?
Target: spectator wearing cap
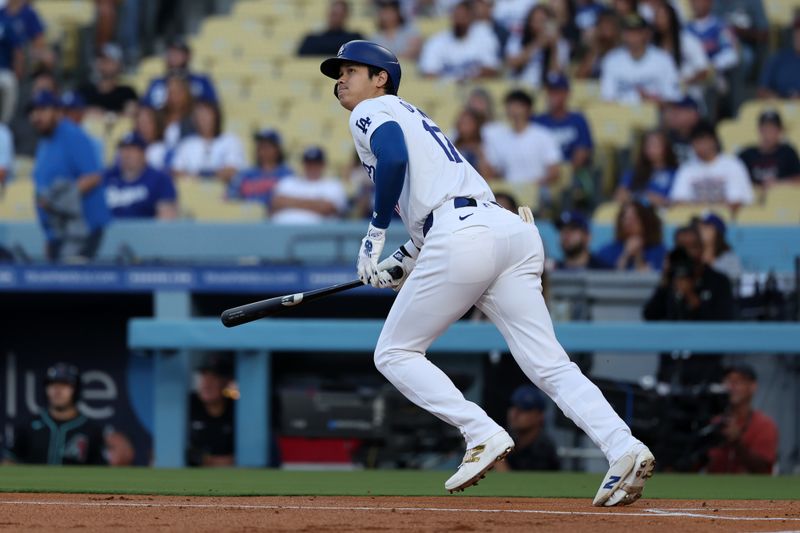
column 599, row 41
column 258, row 182
column 539, row 50
column 211, row 152
column 637, row 243
column 106, row 93
column 680, row 118
column 12, row 61
column 149, row 124
column 59, row 434
column 713, row 177
column 685, row 48
column 211, row 417
column 638, row 71
column 575, row 238
column 29, row 30
column 650, row 180
column 534, row 449
column 460, row 53
column 310, row 198
column 335, row 34
column 773, row 159
column 569, row 128
column 521, row 151
column 177, row 59
column 136, row 190
column 780, row 77
column 717, row 253
column 718, row 40
column 749, row 436
column 69, row 187
column 74, row 108
column 395, row 32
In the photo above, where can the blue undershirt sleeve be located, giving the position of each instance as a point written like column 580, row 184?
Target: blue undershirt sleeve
column 389, row 146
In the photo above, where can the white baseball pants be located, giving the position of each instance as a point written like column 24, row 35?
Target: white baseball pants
column 493, row 260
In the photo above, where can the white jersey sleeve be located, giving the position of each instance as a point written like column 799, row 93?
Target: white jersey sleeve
column 682, row 188
column 739, row 190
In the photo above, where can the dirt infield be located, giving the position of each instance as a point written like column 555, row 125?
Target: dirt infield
column 89, row 513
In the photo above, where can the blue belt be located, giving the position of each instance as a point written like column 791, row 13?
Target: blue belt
column 458, row 203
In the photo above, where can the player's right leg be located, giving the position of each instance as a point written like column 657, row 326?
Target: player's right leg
column 452, row 272
column 515, row 304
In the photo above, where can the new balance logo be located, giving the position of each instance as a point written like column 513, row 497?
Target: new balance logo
column 475, row 454
column 363, row 124
column 612, row 480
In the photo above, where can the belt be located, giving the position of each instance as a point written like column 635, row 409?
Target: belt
column 458, row 203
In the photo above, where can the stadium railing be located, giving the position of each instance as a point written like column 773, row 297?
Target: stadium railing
column 171, row 339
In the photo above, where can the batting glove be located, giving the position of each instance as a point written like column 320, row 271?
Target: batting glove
column 371, row 248
column 406, row 258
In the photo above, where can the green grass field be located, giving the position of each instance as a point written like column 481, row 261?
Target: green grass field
column 259, row 482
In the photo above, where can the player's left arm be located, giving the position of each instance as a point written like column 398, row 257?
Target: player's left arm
column 388, row 145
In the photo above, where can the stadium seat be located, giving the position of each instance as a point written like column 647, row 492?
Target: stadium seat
column 680, row 215
column 583, row 93
column 783, row 202
column 606, row 213
column 736, row 135
column 781, row 12
column 429, row 26
column 523, row 193
column 17, row 200
column 204, row 200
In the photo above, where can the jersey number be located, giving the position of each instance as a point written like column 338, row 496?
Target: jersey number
column 449, row 149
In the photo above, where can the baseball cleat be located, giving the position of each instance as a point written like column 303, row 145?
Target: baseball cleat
column 479, row 460
column 625, row 479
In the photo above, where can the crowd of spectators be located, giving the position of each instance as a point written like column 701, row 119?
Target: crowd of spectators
column 689, row 63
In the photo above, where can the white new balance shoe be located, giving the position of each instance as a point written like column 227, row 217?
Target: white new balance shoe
column 479, row 460
column 625, row 479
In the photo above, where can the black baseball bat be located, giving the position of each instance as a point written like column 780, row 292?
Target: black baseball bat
column 271, row 306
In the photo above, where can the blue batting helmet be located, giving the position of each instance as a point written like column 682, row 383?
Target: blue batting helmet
column 366, row 53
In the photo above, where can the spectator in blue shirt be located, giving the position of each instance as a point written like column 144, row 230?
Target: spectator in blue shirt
column 574, row 236
column 177, row 58
column 11, row 62
column 136, row 190
column 637, row 243
column 29, row 29
column 569, row 128
column 74, row 108
column 781, row 75
column 67, row 176
column 650, row 180
column 258, row 182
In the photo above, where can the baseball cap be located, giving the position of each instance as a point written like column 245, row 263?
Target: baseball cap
column 216, row 364
column 111, row 51
column 314, row 154
column 715, row 220
column 703, row 129
column 687, row 102
column 556, row 80
column 132, row 139
column 528, row 398
column 180, row 44
column 62, row 373
column 572, row 219
column 72, row 100
column 770, row 116
column 744, row 369
column 268, row 134
column 634, row 22
column 44, row 99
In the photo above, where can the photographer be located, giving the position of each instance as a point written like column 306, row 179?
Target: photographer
column 749, row 437
column 690, row 290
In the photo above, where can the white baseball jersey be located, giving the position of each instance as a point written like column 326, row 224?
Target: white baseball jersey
column 436, row 171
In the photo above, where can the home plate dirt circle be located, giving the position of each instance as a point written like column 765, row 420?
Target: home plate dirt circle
column 92, row 512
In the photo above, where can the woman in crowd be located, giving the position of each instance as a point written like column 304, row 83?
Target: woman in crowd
column 539, row 50
column 177, row 111
column 149, row 124
column 637, row 243
column 210, row 153
column 650, row 180
column 395, row 33
column 685, row 48
column 468, row 137
column 565, row 12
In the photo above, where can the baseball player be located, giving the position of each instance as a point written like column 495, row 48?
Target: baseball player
column 464, row 250
column 59, row 434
